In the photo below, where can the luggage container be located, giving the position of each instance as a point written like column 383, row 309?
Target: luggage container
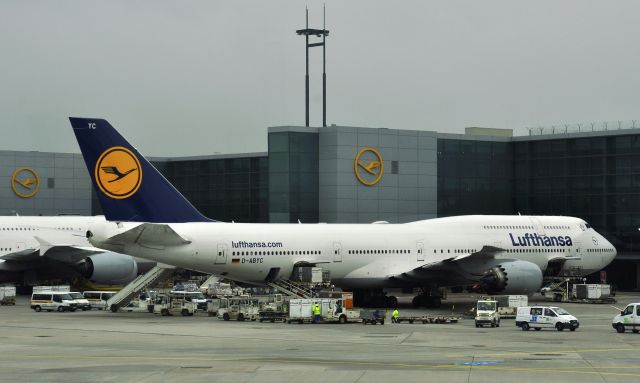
column 7, row 295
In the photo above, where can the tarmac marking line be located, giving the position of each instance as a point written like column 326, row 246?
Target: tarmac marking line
column 537, row 352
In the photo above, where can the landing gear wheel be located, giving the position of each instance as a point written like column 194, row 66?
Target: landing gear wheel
column 392, row 302
column 525, row 326
column 416, row 301
column 620, row 328
column 435, row 302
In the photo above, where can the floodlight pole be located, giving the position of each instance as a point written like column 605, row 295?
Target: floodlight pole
column 317, row 32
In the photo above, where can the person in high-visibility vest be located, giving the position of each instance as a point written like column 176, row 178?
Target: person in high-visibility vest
column 394, row 316
column 317, row 311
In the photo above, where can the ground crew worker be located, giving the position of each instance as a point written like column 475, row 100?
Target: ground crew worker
column 317, row 311
column 394, row 316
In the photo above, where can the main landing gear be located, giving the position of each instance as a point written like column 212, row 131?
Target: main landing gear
column 430, row 298
column 374, row 298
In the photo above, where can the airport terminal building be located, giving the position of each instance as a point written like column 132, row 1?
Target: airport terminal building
column 351, row 174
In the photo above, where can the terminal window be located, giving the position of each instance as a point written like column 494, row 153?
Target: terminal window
column 51, row 183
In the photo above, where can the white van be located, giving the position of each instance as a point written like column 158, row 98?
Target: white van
column 98, row 299
column 82, row 303
column 540, row 317
column 52, row 300
column 628, row 318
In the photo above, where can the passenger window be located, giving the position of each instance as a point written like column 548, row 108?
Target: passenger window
column 536, row 311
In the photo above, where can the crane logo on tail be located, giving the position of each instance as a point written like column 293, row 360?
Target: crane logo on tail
column 368, row 166
column 118, row 173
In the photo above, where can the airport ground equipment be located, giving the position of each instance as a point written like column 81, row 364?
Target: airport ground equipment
column 539, row 317
column 157, row 274
column 239, row 308
column 273, row 308
column 98, row 299
column 7, row 295
column 213, row 305
column 508, row 304
column 629, row 318
column 56, row 288
column 374, row 316
column 193, row 296
column 568, row 292
column 169, row 304
column 437, row 319
column 293, row 290
column 331, row 311
column 487, row 313
column 82, row 303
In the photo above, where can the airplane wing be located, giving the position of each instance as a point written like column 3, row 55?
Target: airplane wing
column 58, row 252
column 151, row 235
column 25, row 255
column 450, row 270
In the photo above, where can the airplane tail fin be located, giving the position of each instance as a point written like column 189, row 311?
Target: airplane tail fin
column 128, row 186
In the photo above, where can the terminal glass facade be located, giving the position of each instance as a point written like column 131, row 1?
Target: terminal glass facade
column 474, row 177
column 224, row 189
column 293, row 177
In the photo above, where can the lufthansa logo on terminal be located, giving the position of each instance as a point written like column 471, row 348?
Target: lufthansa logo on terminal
column 25, row 182
column 118, row 173
column 368, row 166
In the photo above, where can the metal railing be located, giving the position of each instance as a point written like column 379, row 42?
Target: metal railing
column 582, row 127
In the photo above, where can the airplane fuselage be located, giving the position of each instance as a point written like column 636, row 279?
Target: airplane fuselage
column 370, row 255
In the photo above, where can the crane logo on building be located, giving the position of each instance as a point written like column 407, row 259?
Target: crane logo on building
column 368, row 166
column 118, row 173
column 25, row 182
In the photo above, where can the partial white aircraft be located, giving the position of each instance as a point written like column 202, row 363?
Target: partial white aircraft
column 55, row 247
column 149, row 218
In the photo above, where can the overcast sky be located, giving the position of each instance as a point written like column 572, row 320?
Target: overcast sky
column 200, row 77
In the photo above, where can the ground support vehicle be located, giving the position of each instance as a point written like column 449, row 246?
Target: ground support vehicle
column 331, row 311
column 629, row 318
column 539, row 317
column 212, row 307
column 167, row 305
column 52, row 301
column 373, row 316
column 567, row 292
column 272, row 316
column 7, row 295
column 487, row 313
column 508, row 304
column 428, row 319
column 193, row 296
column 81, row 302
column 238, row 308
column 98, row 299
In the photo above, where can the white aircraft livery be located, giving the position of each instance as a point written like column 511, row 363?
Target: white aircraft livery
column 149, row 218
column 56, row 247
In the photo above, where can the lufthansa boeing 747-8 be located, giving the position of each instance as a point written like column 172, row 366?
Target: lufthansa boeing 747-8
column 149, row 218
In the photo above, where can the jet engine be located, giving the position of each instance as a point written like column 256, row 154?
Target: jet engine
column 109, row 268
column 512, row 277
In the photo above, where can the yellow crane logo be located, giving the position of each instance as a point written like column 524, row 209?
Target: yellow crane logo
column 368, row 166
column 25, row 182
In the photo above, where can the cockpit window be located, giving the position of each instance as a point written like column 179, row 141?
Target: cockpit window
column 587, row 225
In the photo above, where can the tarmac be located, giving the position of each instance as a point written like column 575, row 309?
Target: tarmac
column 102, row 346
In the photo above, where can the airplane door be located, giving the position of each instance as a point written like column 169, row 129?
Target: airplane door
column 20, row 246
column 539, row 227
column 420, row 247
column 221, row 256
column 337, row 252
